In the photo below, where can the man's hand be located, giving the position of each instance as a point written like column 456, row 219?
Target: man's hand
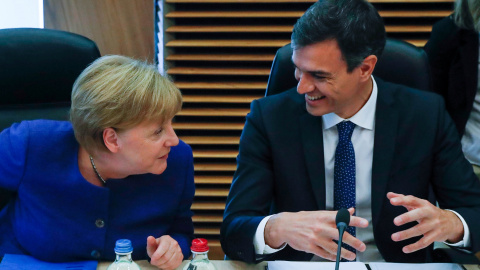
column 164, row 252
column 434, row 223
column 312, row 232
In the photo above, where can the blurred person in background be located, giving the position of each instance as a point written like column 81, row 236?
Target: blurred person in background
column 453, row 52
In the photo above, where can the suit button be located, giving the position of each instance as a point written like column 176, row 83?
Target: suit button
column 95, row 254
column 99, row 223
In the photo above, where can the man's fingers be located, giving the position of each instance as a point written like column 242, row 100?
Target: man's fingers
column 313, row 232
column 407, row 201
column 347, row 239
column 358, row 222
column 329, row 249
column 353, row 242
column 410, row 216
column 347, row 254
column 393, row 195
column 332, row 248
column 320, row 252
column 417, row 230
column 327, row 254
column 434, row 223
column 424, row 242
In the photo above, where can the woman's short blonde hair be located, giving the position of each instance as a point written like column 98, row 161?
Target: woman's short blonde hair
column 119, row 92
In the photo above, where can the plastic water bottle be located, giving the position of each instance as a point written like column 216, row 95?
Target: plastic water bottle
column 200, row 258
column 123, row 249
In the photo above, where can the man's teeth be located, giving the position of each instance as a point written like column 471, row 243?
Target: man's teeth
column 314, row 98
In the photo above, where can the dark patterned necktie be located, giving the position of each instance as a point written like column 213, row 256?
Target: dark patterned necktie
column 344, row 172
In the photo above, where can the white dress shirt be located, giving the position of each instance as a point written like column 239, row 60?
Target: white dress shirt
column 362, row 140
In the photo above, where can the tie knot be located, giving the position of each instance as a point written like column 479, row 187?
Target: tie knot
column 345, row 130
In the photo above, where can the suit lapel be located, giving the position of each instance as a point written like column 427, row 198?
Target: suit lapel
column 312, row 141
column 386, row 121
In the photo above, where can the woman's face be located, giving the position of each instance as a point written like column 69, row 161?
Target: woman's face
column 145, row 147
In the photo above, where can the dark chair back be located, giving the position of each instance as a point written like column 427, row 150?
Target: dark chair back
column 400, row 62
column 38, row 69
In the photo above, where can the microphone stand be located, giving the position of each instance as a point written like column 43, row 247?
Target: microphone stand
column 342, row 220
column 341, row 229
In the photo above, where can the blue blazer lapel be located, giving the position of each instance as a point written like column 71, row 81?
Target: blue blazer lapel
column 386, row 121
column 312, row 142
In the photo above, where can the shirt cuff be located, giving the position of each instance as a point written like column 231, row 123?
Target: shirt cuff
column 259, row 240
column 465, row 242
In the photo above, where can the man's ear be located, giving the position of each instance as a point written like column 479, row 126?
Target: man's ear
column 367, row 67
column 110, row 139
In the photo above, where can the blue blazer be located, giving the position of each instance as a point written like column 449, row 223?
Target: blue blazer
column 58, row 216
column 280, row 167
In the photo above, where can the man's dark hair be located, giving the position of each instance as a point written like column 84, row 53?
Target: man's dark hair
column 354, row 24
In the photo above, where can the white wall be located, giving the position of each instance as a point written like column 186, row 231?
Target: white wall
column 21, row 13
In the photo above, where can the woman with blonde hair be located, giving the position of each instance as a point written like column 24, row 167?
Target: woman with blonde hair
column 83, row 184
column 453, row 53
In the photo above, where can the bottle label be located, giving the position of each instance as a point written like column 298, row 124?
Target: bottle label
column 192, row 267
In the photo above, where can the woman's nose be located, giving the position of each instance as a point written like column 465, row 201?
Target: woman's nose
column 172, row 139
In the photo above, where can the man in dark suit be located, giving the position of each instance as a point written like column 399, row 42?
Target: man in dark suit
column 295, row 160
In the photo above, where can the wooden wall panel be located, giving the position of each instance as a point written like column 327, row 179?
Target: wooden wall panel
column 124, row 27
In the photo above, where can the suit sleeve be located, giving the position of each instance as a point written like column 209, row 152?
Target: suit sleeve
column 13, row 149
column 182, row 226
column 456, row 186
column 251, row 193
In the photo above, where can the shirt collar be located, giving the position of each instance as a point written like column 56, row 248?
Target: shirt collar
column 364, row 118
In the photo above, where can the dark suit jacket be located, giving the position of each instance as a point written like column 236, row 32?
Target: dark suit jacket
column 281, row 168
column 453, row 57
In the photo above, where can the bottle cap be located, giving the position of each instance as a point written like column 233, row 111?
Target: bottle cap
column 199, row 245
column 123, row 246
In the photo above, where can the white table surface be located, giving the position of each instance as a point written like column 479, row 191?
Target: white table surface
column 220, row 265
column 229, row 265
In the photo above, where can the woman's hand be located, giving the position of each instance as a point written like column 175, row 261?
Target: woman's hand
column 164, row 252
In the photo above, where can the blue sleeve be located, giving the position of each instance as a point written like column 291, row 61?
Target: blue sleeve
column 13, row 150
column 182, row 227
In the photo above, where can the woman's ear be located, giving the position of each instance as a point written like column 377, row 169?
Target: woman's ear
column 110, row 139
column 367, row 66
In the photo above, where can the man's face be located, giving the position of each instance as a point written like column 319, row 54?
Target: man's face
column 322, row 77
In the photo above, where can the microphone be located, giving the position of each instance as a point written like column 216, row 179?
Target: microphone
column 342, row 220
